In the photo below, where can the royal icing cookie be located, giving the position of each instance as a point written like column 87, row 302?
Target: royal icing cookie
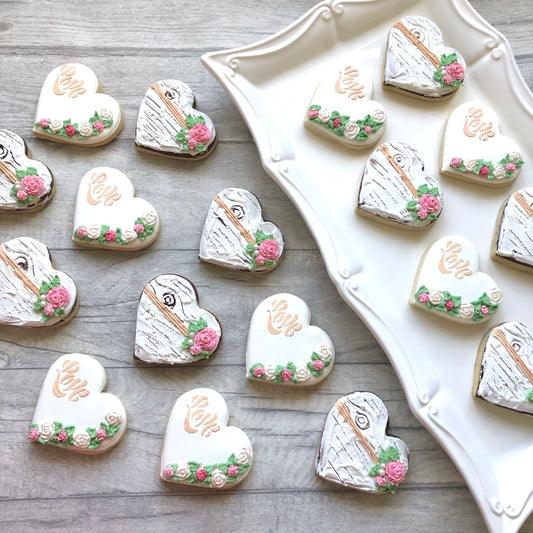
column 473, row 148
column 200, row 448
column 32, row 292
column 418, row 63
column 108, row 215
column 450, row 285
column 342, row 108
column 283, row 348
column 171, row 327
column 169, row 125
column 235, row 235
column 355, row 450
column 72, row 411
column 513, row 240
column 504, row 367
column 25, row 184
column 395, row 188
column 72, row 108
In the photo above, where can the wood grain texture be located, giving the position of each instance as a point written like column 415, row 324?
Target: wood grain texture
column 130, row 45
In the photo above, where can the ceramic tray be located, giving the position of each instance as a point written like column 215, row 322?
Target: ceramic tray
column 373, row 265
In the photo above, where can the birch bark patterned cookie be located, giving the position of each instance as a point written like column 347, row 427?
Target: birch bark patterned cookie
column 283, row 348
column 473, row 149
column 396, row 190
column 169, row 125
column 504, row 367
column 449, row 284
column 108, row 215
column 72, row 411
column 72, row 108
column 235, row 236
column 355, row 450
column 513, row 240
column 32, row 292
column 418, row 63
column 25, row 184
column 172, row 329
column 342, row 109
column 200, row 448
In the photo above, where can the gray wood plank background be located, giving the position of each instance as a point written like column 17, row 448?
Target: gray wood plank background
column 130, row 45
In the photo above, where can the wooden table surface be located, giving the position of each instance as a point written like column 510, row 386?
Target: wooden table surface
column 130, row 45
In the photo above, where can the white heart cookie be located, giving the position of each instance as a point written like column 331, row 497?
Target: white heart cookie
column 72, row 109
column 396, row 189
column 473, row 148
column 72, row 411
column 108, row 215
column 450, row 285
column 355, row 450
column 200, row 448
column 283, row 347
column 418, row 63
column 235, row 235
column 342, row 108
column 504, row 368
column 169, row 125
column 171, row 327
column 513, row 240
column 32, row 292
column 25, row 184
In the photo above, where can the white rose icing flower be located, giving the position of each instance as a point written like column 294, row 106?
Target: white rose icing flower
column 499, row 171
column 93, row 231
column 129, row 234
column 218, row 478
column 325, row 352
column 270, row 372
column 106, row 114
column 183, row 471
column 515, row 156
column 47, row 430
column 150, row 218
column 243, row 457
column 471, row 164
column 495, row 295
column 351, row 130
column 302, row 373
column 56, row 125
column 324, row 115
column 113, row 418
column 379, row 115
column 81, row 439
column 466, row 310
column 85, row 129
column 436, row 297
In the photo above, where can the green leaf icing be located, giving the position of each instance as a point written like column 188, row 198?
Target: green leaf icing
column 21, row 174
column 391, row 454
column 114, row 235
column 188, row 341
column 62, row 132
column 260, row 237
column 530, row 395
column 440, row 74
column 487, row 169
column 183, row 138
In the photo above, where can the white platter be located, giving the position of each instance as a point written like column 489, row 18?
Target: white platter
column 373, row 265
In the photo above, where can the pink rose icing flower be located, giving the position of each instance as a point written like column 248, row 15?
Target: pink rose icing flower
column 58, row 297
column 101, row 434
column 448, row 80
column 201, row 474
column 34, row 434
column 380, row 481
column 192, row 144
column 99, row 125
column 456, row 71
column 44, row 123
column 318, row 365
column 82, row 232
column 337, row 123
column 456, row 162
column 269, row 249
column 430, row 203
column 286, row 375
column 313, row 113
column 206, row 339
column 484, row 310
column 62, row 436
column 422, row 214
column 449, row 305
column 484, row 171
column 368, row 130
column 200, row 133
column 168, row 472
column 111, row 235
column 138, row 228
column 395, row 472
column 259, row 260
column 423, row 297
column 33, row 185
column 259, row 371
column 233, row 470
column 70, row 130
column 510, row 167
column 48, row 310
column 195, row 349
column 22, row 195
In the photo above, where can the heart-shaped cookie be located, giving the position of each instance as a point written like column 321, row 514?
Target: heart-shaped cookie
column 72, row 108
column 450, row 285
column 32, row 292
column 418, row 63
column 473, row 148
column 342, row 108
column 355, row 450
column 171, row 327
column 169, row 125
column 200, row 448
column 107, row 214
column 395, row 189
column 235, row 235
column 25, row 184
column 72, row 411
column 513, row 240
column 283, row 348
column 504, row 367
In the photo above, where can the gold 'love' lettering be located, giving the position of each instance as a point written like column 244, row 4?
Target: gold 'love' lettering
column 475, row 126
column 65, row 82
column 67, row 382
column 451, row 263
column 279, row 320
column 347, row 83
column 99, row 190
column 197, row 417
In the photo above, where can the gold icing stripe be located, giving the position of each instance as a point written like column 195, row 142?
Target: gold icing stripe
column 400, row 171
column 498, row 334
column 11, row 175
column 184, row 330
column 235, row 221
column 421, row 46
column 18, row 271
column 522, row 201
column 343, row 410
column 170, row 106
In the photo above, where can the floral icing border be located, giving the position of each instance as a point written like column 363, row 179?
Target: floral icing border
column 265, row 251
column 389, row 472
column 202, row 340
column 94, row 126
column 450, row 73
column 52, row 299
column 427, row 206
column 196, row 136
column 530, row 395
column 505, row 168
column 28, row 187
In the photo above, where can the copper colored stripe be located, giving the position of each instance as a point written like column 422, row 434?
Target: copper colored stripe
column 184, row 330
column 11, row 176
column 18, row 271
column 171, row 107
column 235, row 221
column 343, row 410
column 400, row 171
column 522, row 201
column 423, row 48
column 513, row 353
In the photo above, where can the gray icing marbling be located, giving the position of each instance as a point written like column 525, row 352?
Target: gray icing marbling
column 13, row 154
column 157, row 339
column 501, row 381
column 407, row 68
column 383, row 192
column 341, row 456
column 515, row 236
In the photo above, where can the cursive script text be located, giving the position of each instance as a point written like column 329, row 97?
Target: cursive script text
column 65, row 83
column 67, row 382
column 99, row 190
column 347, row 83
column 451, row 263
column 197, row 417
column 279, row 320
column 475, row 126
